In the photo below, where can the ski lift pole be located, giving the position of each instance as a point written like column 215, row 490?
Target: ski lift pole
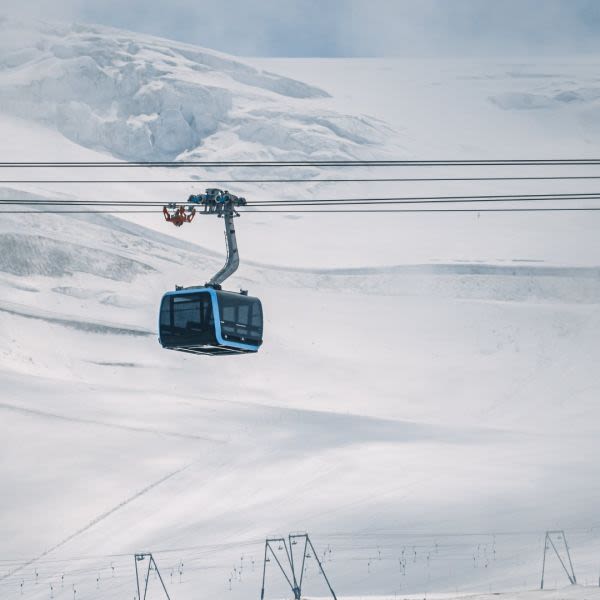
column 295, row 588
column 321, row 568
column 147, row 579
column 164, row 587
column 262, row 590
column 137, row 576
column 574, row 579
column 544, row 560
column 305, row 537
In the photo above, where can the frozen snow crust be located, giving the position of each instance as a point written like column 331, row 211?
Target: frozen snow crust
column 144, row 98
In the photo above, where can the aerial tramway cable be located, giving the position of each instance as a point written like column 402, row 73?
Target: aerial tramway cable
column 307, row 180
column 479, row 199
column 305, row 163
column 324, row 211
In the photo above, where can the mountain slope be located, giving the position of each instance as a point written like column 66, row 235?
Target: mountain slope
column 144, row 98
column 375, row 405
column 426, row 382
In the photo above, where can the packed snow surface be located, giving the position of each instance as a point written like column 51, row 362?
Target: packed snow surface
column 425, row 402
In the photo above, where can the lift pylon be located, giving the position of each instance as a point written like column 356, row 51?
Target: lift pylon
column 558, row 535
column 288, row 565
column 141, row 557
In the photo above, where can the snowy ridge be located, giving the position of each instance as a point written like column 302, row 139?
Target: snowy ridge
column 144, row 98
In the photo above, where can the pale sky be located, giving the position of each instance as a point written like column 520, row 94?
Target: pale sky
column 346, row 28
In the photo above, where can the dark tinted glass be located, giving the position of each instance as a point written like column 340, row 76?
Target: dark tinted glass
column 241, row 317
column 187, row 320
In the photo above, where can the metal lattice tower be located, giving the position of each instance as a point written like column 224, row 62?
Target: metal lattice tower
column 151, row 565
column 288, row 566
column 559, row 536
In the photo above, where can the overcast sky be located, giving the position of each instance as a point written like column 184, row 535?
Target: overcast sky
column 340, row 28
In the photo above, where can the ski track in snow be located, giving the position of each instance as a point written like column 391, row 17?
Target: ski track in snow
column 87, row 326
column 94, row 422
column 98, row 519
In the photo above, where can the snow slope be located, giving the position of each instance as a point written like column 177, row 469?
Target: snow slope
column 490, row 108
column 443, row 411
column 424, row 383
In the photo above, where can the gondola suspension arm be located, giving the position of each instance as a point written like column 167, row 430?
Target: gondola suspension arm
column 233, row 260
column 220, row 203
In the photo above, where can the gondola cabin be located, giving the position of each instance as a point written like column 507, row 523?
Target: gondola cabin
column 210, row 321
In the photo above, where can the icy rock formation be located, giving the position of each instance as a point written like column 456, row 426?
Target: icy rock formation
column 145, row 98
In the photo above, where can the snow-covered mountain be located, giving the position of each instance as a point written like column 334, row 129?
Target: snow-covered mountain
column 143, row 98
column 421, row 379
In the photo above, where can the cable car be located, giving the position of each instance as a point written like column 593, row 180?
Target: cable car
column 207, row 319
column 210, row 321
